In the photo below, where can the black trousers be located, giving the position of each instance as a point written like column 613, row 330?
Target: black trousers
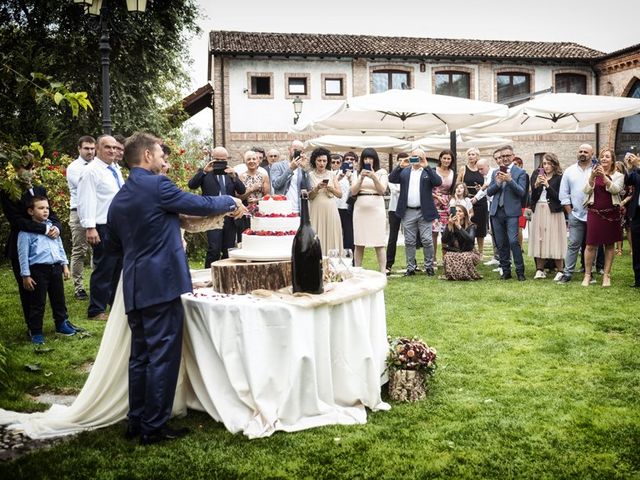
column 154, row 363
column 635, row 245
column 346, row 222
column 48, row 280
column 24, row 294
column 394, row 228
column 220, row 241
column 105, row 276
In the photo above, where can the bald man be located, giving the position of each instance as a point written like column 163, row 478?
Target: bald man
column 214, row 179
column 572, row 197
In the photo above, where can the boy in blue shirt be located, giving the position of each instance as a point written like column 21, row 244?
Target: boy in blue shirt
column 43, row 263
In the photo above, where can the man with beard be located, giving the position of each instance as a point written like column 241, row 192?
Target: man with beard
column 571, row 196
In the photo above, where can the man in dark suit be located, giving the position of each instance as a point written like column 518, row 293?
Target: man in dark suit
column 508, row 188
column 14, row 206
column 216, row 179
column 143, row 226
column 416, row 207
column 633, row 178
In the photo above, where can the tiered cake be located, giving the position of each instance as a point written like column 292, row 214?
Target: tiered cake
column 273, row 227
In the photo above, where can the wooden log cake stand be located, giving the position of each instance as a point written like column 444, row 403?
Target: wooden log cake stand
column 239, row 276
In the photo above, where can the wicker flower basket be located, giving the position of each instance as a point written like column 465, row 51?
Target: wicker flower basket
column 407, row 385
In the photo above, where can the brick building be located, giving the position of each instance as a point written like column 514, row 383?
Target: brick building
column 256, row 76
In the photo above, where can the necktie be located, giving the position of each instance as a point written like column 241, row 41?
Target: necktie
column 115, row 175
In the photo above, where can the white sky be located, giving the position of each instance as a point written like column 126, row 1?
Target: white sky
column 581, row 21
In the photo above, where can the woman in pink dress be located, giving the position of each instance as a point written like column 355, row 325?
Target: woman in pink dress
column 603, row 216
column 441, row 197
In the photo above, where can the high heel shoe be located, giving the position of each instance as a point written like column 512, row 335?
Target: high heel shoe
column 586, row 280
column 606, row 280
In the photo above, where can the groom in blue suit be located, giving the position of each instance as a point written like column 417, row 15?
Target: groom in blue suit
column 508, row 187
column 144, row 228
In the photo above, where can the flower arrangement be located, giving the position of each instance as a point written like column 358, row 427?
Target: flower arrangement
column 411, row 354
column 410, row 362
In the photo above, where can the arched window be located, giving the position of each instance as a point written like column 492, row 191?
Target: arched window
column 384, row 80
column 455, row 84
column 512, row 84
column 628, row 132
column 571, row 83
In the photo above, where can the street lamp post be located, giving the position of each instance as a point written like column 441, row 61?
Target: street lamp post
column 101, row 8
column 297, row 109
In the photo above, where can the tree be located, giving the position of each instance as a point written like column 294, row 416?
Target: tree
column 56, row 38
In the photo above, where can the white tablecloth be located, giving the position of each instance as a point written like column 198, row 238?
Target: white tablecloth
column 258, row 363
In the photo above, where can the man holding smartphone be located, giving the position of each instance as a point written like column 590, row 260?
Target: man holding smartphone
column 289, row 177
column 508, row 187
column 416, row 207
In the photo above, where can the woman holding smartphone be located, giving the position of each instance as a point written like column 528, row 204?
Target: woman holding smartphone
column 603, row 215
column 369, row 215
column 325, row 188
column 459, row 258
column 441, row 197
column 547, row 229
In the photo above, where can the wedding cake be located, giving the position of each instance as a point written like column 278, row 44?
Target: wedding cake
column 273, row 226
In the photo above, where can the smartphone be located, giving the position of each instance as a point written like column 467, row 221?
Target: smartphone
column 297, row 153
column 452, row 211
column 540, row 171
column 345, row 166
column 414, row 159
column 366, row 166
column 594, row 162
column 325, row 181
column 504, row 168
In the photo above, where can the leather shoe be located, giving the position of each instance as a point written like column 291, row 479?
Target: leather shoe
column 429, row 272
column 100, row 317
column 165, row 434
column 506, row 276
column 409, row 273
column 521, row 277
column 132, row 432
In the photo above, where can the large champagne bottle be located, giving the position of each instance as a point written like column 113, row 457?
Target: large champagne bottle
column 306, row 253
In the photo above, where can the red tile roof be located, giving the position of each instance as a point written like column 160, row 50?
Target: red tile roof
column 308, row 44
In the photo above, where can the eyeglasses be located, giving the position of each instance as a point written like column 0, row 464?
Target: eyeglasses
column 336, row 161
column 274, row 156
column 506, row 156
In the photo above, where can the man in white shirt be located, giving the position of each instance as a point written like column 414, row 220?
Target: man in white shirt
column 98, row 184
column 79, row 245
column 572, row 196
column 416, row 207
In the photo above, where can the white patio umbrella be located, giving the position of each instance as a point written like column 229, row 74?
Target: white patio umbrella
column 359, row 142
column 402, row 114
column 442, row 142
column 558, row 112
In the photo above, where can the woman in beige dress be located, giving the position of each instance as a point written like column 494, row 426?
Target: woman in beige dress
column 325, row 218
column 369, row 214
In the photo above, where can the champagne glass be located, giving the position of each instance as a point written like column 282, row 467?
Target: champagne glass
column 334, row 259
column 347, row 258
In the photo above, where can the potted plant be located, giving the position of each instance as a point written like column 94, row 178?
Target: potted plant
column 410, row 362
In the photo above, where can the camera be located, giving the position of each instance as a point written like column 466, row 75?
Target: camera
column 414, row 159
column 219, row 167
column 366, row 166
column 540, row 171
column 452, row 211
column 297, row 153
column 346, row 166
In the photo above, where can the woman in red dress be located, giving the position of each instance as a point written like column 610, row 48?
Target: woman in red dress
column 603, row 217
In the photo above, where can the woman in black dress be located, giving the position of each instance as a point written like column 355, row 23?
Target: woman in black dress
column 473, row 179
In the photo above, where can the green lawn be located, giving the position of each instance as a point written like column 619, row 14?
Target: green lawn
column 534, row 380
